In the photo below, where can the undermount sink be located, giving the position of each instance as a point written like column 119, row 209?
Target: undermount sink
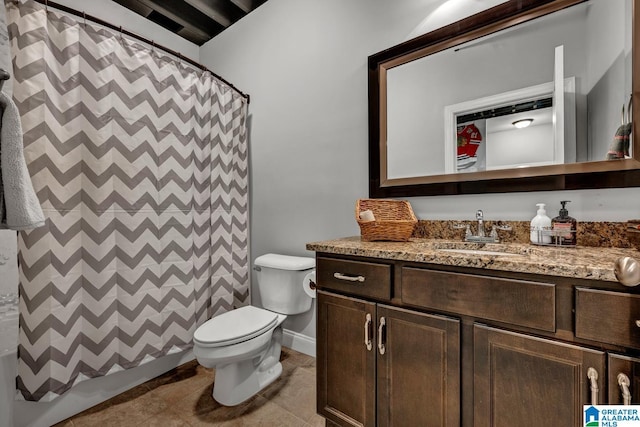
column 480, row 252
column 491, row 249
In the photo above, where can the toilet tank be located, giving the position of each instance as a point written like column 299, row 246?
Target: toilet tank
column 280, row 279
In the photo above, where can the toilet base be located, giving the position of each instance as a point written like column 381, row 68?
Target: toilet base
column 232, row 386
column 236, row 382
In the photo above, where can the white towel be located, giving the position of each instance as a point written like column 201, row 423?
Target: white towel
column 19, row 206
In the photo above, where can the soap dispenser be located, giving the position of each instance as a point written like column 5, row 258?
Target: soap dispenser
column 564, row 227
column 540, row 226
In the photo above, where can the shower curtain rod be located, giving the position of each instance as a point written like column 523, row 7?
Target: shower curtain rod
column 99, row 21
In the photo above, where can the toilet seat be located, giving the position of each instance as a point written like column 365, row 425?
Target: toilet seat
column 234, row 327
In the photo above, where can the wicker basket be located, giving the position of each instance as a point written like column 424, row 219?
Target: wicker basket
column 394, row 220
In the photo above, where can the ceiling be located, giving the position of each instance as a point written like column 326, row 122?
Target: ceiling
column 196, row 20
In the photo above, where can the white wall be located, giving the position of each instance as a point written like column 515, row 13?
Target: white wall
column 8, row 264
column 514, row 147
column 304, row 63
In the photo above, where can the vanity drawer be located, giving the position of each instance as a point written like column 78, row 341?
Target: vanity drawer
column 518, row 302
column 608, row 316
column 366, row 279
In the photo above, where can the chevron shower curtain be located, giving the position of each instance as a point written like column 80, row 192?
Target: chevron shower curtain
column 140, row 164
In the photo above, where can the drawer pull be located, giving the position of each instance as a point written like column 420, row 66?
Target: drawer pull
column 592, row 374
column 367, row 332
column 624, row 383
column 383, row 322
column 348, row 278
column 638, row 323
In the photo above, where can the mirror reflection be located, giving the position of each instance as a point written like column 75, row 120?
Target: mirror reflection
column 462, row 110
column 513, row 139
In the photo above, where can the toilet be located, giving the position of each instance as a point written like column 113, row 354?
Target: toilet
column 244, row 344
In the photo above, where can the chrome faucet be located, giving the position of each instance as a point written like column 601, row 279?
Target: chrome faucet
column 479, row 217
column 481, row 234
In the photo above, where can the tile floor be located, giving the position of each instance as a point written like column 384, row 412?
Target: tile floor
column 182, row 397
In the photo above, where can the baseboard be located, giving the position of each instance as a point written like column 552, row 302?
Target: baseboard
column 298, row 342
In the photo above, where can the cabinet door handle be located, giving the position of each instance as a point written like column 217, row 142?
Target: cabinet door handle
column 592, row 374
column 367, row 332
column 624, row 383
column 383, row 322
column 341, row 276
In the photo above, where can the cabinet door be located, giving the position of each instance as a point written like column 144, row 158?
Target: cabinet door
column 418, row 369
column 345, row 366
column 523, row 381
column 624, row 372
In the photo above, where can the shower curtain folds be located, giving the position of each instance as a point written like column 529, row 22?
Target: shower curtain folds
column 140, row 165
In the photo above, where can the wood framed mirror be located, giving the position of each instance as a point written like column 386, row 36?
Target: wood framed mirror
column 431, row 96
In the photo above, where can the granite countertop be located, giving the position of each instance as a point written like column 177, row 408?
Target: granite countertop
column 583, row 262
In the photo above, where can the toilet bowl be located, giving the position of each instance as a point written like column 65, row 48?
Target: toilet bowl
column 244, row 344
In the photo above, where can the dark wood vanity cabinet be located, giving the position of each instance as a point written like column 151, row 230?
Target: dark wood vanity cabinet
column 380, row 365
column 345, row 367
column 386, row 366
column 519, row 377
column 613, row 317
column 418, row 368
column 407, row 344
column 623, row 380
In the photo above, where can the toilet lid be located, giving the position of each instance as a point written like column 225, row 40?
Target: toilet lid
column 235, row 326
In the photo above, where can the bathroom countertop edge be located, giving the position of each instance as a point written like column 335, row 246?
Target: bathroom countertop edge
column 581, row 262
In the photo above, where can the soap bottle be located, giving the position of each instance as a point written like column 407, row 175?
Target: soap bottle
column 564, row 227
column 540, row 226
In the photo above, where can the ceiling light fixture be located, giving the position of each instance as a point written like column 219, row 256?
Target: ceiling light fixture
column 522, row 123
